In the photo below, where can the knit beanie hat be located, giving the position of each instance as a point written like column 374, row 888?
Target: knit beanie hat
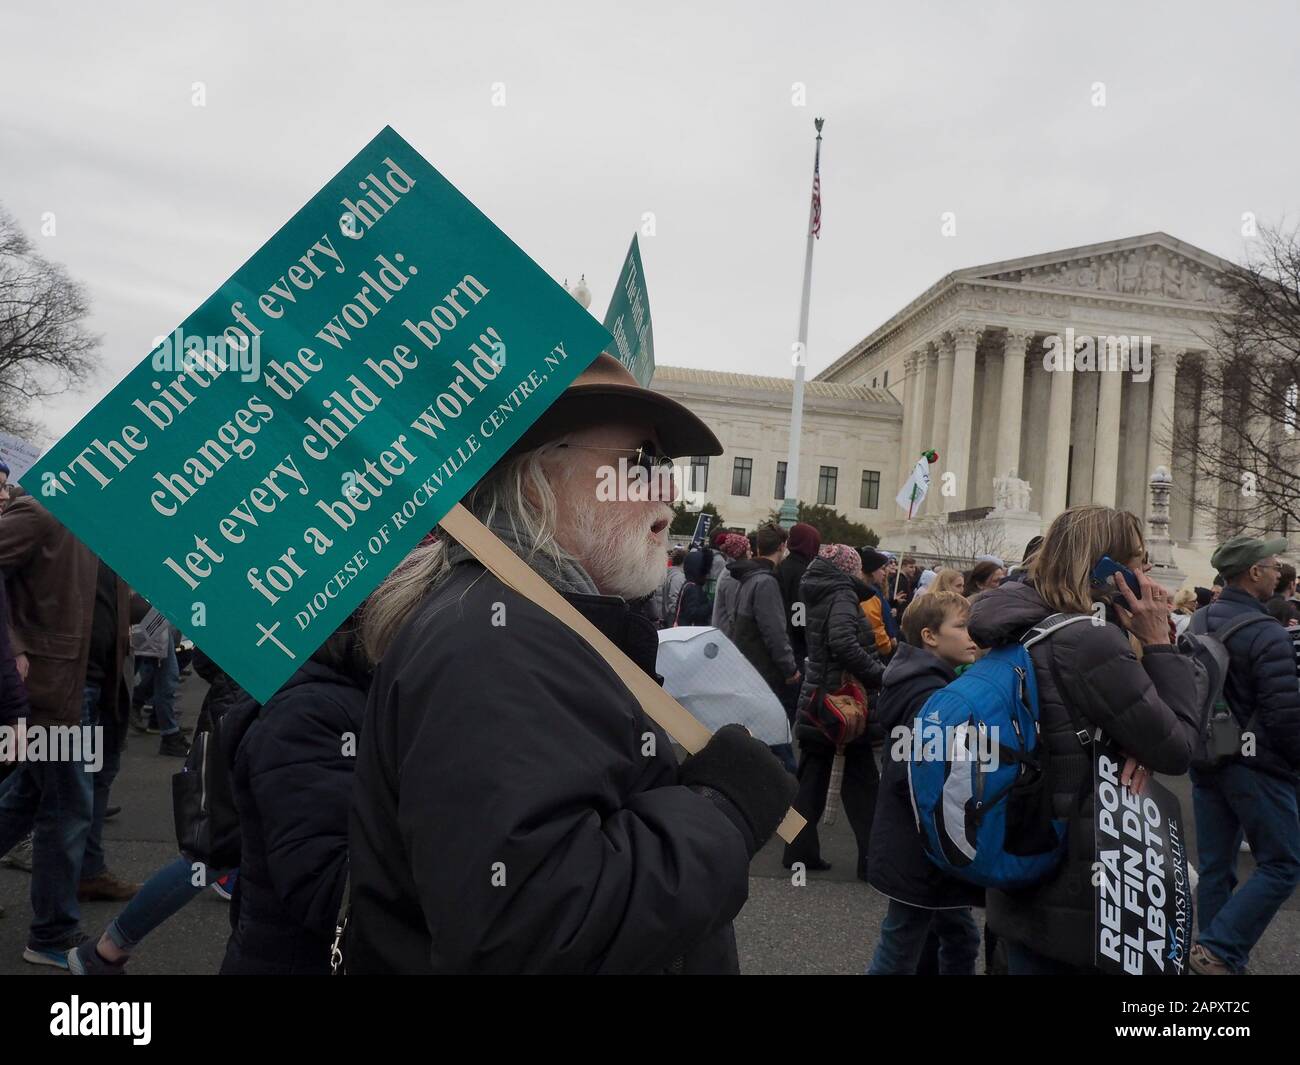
column 804, row 539
column 843, row 558
column 872, row 559
column 733, row 545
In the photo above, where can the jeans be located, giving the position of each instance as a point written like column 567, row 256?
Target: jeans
column 53, row 801
column 902, row 938
column 94, row 864
column 1228, row 801
column 157, row 683
column 162, row 895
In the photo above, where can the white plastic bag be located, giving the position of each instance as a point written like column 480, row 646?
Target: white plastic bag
column 710, row 677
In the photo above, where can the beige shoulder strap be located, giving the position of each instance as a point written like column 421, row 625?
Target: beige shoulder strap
column 658, row 705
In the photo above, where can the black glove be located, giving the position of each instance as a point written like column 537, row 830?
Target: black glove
column 745, row 780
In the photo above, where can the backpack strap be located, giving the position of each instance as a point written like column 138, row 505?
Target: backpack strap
column 1042, row 631
column 341, row 925
column 1049, row 625
column 1233, row 627
column 1200, row 624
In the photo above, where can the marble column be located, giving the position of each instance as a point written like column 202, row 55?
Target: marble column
column 924, row 412
column 911, row 410
column 1011, row 405
column 1161, row 427
column 1209, row 441
column 965, row 340
column 1105, row 463
column 1056, row 470
column 942, row 417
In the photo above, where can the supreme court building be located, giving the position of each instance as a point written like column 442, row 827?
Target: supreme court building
column 973, row 368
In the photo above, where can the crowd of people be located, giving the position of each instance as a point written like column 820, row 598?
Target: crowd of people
column 457, row 782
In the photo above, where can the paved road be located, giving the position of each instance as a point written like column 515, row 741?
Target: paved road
column 828, row 926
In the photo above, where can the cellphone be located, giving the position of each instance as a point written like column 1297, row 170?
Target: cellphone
column 1103, row 570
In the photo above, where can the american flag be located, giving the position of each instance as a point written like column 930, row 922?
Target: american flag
column 817, row 196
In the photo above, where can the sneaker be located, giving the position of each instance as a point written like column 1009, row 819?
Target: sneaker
column 225, row 885
column 20, row 856
column 139, row 718
column 107, row 887
column 85, row 960
column 175, row 745
column 55, row 955
column 1204, row 963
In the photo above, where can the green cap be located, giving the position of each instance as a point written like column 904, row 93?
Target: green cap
column 1241, row 552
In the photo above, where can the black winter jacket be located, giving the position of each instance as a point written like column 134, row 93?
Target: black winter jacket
column 1146, row 706
column 788, row 575
column 839, row 636
column 292, row 782
column 222, row 693
column 515, row 811
column 1261, row 683
column 899, row 868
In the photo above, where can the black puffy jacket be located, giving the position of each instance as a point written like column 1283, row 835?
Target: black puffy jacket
column 838, row 635
column 292, row 782
column 1261, row 683
column 789, row 573
column 899, row 868
column 222, row 693
column 515, row 811
column 1147, row 706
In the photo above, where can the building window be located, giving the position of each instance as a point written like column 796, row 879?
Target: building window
column 885, row 383
column 870, row 490
column 740, row 475
column 873, row 381
column 780, row 481
column 699, row 473
column 826, row 485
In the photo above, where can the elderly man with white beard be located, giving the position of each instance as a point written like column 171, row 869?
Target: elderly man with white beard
column 514, row 810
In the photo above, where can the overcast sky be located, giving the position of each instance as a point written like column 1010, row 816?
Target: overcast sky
column 614, row 110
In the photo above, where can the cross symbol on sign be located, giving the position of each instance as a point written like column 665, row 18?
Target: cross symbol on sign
column 270, row 634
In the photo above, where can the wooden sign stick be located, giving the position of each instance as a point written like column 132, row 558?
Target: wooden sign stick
column 658, row 705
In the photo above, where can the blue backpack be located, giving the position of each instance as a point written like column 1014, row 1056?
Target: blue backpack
column 978, row 772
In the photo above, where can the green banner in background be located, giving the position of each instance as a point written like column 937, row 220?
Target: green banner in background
column 279, row 454
column 628, row 319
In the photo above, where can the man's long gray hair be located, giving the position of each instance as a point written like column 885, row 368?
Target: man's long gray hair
column 516, row 493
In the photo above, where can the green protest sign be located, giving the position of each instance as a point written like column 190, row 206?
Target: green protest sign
column 279, row 454
column 628, row 319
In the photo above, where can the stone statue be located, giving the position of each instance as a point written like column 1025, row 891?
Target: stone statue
column 1109, row 276
column 1173, row 285
column 1011, row 493
column 1087, row 276
column 1193, row 289
column 1129, row 275
column 1153, row 277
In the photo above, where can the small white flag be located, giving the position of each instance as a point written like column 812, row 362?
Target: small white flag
column 912, row 494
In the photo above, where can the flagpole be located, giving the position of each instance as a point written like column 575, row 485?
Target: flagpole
column 790, row 505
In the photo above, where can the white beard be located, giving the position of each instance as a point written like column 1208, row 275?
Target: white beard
column 612, row 542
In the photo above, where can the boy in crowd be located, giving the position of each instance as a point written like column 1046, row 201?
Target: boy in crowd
column 935, row 642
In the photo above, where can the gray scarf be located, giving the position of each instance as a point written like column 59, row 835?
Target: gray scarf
column 568, row 576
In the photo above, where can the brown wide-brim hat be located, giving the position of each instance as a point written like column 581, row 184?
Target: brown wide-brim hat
column 607, row 392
